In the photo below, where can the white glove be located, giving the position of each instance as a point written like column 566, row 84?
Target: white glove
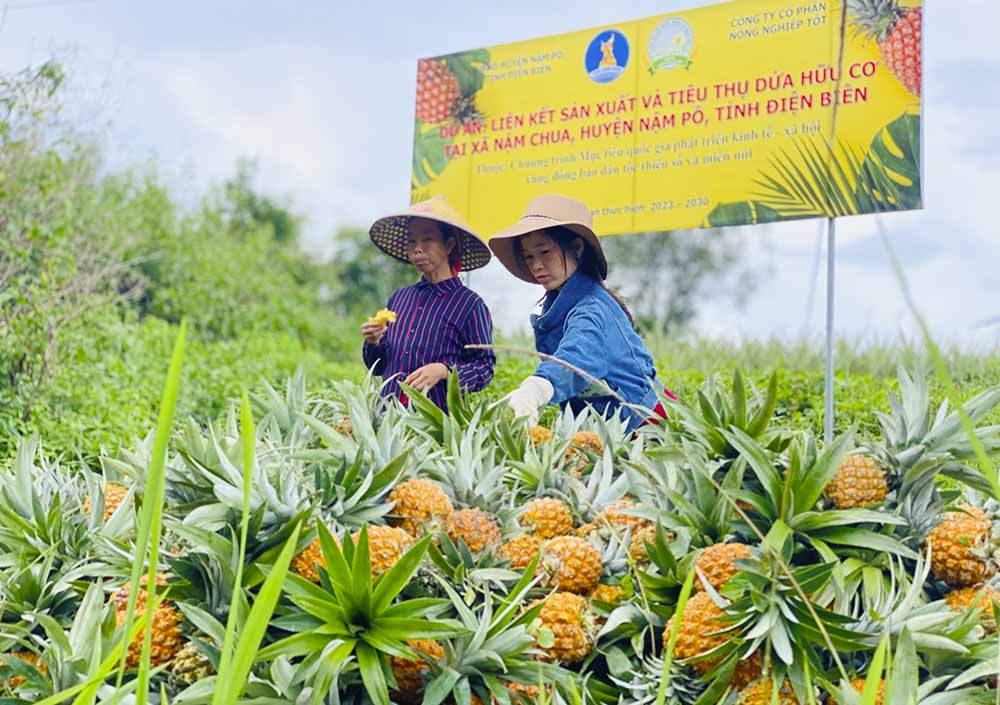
column 527, row 399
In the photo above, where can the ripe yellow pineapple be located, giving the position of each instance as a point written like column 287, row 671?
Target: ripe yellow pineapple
column 760, row 692
column 475, row 527
column 547, row 518
column 698, row 634
column 567, row 617
column 521, row 550
column 642, row 535
column 114, row 495
column 386, row 544
column 614, row 515
column 860, row 482
column 953, row 545
column 527, row 693
column 573, row 564
column 539, row 435
column 409, row 673
column 718, row 563
column 421, row 506
column 28, row 657
column 980, row 597
column 609, row 594
column 576, row 459
column 166, row 638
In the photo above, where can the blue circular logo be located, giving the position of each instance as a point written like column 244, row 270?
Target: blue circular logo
column 607, row 56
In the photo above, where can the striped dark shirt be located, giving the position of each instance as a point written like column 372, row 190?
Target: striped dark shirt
column 433, row 324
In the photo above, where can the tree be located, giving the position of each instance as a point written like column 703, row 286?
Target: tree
column 367, row 275
column 666, row 275
column 248, row 209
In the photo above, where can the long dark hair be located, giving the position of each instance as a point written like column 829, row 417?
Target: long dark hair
column 587, row 262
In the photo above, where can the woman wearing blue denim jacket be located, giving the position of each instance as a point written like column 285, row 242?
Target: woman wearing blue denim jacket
column 582, row 322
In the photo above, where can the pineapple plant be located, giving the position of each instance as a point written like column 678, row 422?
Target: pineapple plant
column 717, row 563
column 437, row 90
column 357, row 612
column 167, row 639
column 896, row 30
column 410, row 673
column 547, row 518
column 567, row 617
column 573, row 564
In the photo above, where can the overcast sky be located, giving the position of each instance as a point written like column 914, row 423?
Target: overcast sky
column 321, row 93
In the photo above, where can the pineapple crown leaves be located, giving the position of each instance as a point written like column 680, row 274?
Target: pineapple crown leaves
column 42, row 585
column 902, row 605
column 688, row 491
column 354, row 493
column 874, row 19
column 41, row 506
column 69, row 652
column 498, row 644
column 282, row 414
column 469, row 472
column 456, row 562
column 364, row 614
column 641, row 685
column 767, row 603
column 716, row 413
column 909, row 427
column 791, row 496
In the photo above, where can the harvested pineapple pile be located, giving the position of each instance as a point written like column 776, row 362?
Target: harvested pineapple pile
column 468, row 559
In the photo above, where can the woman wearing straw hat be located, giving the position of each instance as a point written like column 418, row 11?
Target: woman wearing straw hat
column 438, row 316
column 582, row 322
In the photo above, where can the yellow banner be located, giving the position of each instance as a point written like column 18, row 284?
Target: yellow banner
column 721, row 115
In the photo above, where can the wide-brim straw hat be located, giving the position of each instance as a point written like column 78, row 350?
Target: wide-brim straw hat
column 389, row 233
column 544, row 212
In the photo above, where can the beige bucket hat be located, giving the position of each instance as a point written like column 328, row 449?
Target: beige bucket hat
column 543, row 212
column 389, row 233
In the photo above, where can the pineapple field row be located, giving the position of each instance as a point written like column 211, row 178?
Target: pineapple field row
column 321, row 549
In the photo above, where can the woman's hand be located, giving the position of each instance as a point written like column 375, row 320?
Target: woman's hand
column 423, row 378
column 372, row 332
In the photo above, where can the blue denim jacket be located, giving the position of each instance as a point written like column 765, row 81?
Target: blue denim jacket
column 583, row 325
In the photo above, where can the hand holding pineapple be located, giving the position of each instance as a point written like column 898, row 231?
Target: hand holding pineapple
column 374, row 328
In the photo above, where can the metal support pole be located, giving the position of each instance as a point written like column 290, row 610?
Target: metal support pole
column 831, row 235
